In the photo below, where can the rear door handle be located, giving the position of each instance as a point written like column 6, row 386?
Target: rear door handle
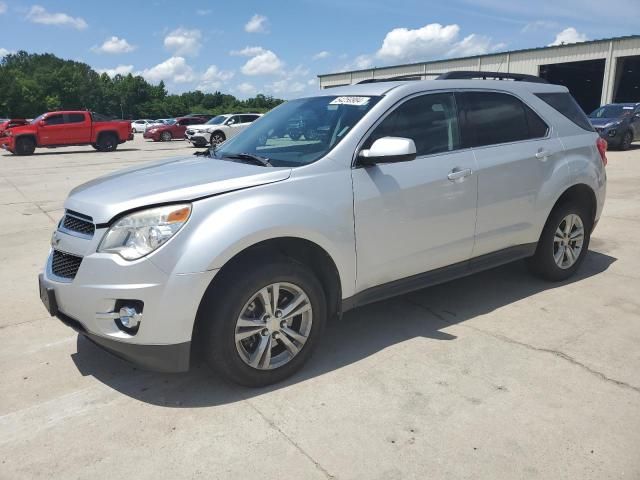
column 458, row 174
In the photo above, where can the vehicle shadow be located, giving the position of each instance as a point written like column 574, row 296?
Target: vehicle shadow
column 361, row 333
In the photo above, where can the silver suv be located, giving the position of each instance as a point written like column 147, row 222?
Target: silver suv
column 247, row 250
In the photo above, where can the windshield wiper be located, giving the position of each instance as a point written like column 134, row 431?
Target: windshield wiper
column 250, row 158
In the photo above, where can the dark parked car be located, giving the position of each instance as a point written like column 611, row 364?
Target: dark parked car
column 617, row 123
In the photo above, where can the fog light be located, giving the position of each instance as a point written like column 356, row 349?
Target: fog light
column 129, row 318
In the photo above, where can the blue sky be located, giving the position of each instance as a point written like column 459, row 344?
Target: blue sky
column 246, row 47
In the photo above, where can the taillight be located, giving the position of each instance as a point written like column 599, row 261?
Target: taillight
column 601, row 143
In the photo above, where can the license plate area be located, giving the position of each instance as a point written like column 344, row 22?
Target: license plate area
column 48, row 297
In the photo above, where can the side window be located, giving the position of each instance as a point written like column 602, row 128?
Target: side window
column 564, row 103
column 247, row 118
column 75, row 118
column 234, row 120
column 490, row 118
column 55, row 120
column 429, row 120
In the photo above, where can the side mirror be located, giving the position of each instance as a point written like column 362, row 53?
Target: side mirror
column 388, row 150
column 42, row 123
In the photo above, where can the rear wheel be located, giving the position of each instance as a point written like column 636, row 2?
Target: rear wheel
column 263, row 322
column 563, row 244
column 107, row 142
column 25, row 146
column 627, row 140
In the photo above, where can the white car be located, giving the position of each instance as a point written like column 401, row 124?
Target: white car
column 139, row 126
column 219, row 128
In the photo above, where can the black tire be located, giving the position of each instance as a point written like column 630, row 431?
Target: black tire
column 223, row 305
column 543, row 263
column 107, row 142
column 627, row 140
column 217, row 138
column 166, row 137
column 95, row 146
column 25, row 146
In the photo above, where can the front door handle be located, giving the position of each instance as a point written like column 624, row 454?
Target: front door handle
column 458, row 174
column 542, row 154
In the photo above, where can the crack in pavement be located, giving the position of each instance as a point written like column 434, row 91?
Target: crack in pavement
column 290, row 440
column 555, row 353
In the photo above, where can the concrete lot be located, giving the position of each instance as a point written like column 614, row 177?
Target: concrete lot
column 496, row 376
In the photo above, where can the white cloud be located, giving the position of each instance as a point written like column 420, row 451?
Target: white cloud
column 4, row 52
column 38, row 14
column 246, row 89
column 474, row 45
column 321, row 55
column 174, row 70
column 247, row 52
column 285, row 87
column 114, row 45
column 3, row 8
column 182, row 41
column 119, row 70
column 203, row 12
column 257, row 24
column 213, row 78
column 264, row 62
column 426, row 43
column 568, row 35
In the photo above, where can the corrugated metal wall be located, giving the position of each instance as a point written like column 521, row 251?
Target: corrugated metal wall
column 528, row 62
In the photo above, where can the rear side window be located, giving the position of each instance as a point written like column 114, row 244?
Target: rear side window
column 429, row 120
column 75, row 118
column 490, row 118
column 564, row 103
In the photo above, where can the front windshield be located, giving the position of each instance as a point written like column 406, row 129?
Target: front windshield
column 216, row 120
column 37, row 119
column 170, row 121
column 300, row 131
column 612, row 111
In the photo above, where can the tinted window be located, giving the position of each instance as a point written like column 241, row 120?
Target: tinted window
column 55, row 120
column 429, row 120
column 491, row 118
column 248, row 118
column 564, row 103
column 75, row 118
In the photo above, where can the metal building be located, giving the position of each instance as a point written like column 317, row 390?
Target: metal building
column 596, row 72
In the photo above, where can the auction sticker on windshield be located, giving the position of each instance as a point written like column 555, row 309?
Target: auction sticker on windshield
column 356, row 101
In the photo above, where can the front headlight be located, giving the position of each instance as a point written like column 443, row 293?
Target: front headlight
column 140, row 233
column 206, row 130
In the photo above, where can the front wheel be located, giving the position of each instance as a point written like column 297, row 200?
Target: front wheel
column 217, row 138
column 627, row 140
column 264, row 322
column 25, row 146
column 563, row 244
column 166, row 136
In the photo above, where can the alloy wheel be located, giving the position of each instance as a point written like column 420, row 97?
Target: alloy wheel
column 568, row 241
column 273, row 326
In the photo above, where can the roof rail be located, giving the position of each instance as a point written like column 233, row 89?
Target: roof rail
column 415, row 76
column 480, row 75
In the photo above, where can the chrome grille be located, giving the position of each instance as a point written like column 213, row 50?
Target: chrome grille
column 65, row 265
column 76, row 224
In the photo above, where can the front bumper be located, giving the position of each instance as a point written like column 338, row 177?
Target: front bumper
column 612, row 135
column 170, row 304
column 198, row 138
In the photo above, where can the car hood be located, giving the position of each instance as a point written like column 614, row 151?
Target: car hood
column 173, row 180
column 201, row 126
column 603, row 122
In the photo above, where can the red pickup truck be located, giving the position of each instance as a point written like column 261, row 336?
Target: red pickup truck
column 62, row 129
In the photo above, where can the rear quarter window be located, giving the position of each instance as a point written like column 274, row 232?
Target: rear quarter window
column 564, row 103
